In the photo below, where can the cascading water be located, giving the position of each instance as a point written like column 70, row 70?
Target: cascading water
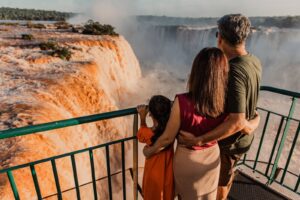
column 176, row 46
column 37, row 88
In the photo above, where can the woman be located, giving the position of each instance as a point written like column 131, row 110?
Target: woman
column 196, row 169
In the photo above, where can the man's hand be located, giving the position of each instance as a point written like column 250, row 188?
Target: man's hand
column 251, row 125
column 188, row 139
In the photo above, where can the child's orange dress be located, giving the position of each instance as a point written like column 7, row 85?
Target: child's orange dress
column 158, row 183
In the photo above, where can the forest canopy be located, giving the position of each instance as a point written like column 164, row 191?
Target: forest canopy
column 32, row 14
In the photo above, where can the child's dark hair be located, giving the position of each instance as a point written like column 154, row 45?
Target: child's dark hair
column 160, row 109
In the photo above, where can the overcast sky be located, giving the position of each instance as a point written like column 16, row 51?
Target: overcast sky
column 183, row 8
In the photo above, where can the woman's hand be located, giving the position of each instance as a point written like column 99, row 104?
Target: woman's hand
column 147, row 151
column 188, row 139
column 142, row 110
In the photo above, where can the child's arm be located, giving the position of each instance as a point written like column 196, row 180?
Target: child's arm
column 143, row 111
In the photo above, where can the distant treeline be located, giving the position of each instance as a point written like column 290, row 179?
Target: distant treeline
column 280, row 22
column 32, row 14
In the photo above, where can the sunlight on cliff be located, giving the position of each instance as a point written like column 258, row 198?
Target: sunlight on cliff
column 37, row 88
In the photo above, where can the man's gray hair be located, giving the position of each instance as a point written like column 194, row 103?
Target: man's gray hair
column 234, row 28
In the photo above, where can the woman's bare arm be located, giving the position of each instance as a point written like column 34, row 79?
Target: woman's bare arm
column 169, row 134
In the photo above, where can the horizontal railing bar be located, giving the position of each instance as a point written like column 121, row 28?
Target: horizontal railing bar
column 280, row 91
column 275, row 180
column 275, row 113
column 264, row 162
column 286, row 186
column 84, row 184
column 92, row 118
column 65, row 155
column 64, row 123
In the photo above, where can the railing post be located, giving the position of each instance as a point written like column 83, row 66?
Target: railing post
column 135, row 158
column 261, row 140
column 281, row 144
column 13, row 185
column 290, row 154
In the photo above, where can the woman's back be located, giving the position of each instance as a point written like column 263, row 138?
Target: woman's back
column 193, row 122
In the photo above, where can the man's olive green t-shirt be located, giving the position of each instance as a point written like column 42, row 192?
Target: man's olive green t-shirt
column 242, row 95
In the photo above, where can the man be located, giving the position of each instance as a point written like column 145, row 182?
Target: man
column 242, row 95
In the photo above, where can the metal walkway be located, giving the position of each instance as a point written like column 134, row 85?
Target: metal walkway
column 246, row 188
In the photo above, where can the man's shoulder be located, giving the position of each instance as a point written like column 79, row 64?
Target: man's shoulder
column 243, row 60
column 244, row 64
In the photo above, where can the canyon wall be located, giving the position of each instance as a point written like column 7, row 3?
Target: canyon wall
column 36, row 88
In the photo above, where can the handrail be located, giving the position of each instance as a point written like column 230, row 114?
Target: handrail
column 4, row 170
column 132, row 111
column 92, row 118
column 280, row 91
column 64, row 123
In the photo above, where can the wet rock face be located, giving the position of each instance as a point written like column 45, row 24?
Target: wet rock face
column 37, row 86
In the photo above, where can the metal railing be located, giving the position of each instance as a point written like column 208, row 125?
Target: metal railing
column 272, row 163
column 72, row 122
column 272, row 170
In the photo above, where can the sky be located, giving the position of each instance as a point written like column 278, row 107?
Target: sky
column 181, row 8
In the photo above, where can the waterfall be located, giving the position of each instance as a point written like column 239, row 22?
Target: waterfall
column 176, row 46
column 38, row 88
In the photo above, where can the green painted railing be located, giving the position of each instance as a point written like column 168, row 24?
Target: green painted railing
column 272, row 171
column 271, row 164
column 72, row 122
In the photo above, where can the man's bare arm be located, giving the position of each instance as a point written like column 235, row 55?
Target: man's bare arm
column 234, row 123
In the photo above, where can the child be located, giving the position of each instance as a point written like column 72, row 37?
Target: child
column 158, row 171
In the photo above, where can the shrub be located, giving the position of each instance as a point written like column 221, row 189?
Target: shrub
column 31, row 25
column 63, row 53
column 55, row 50
column 95, row 28
column 9, row 23
column 48, row 45
column 62, row 25
column 27, row 37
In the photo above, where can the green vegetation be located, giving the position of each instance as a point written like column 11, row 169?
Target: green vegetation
column 280, row 22
column 32, row 14
column 95, row 28
column 32, row 25
column 56, row 50
column 63, row 53
column 48, row 45
column 9, row 24
column 27, row 37
column 62, row 25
